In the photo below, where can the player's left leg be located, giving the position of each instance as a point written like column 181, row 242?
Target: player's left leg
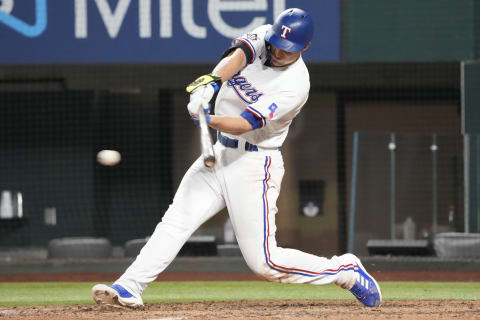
column 253, row 218
column 197, row 199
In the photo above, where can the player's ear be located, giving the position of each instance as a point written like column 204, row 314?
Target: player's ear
column 307, row 46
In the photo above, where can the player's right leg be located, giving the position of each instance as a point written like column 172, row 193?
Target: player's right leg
column 198, row 198
column 253, row 217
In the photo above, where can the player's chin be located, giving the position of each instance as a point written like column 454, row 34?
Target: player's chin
column 280, row 63
column 274, row 62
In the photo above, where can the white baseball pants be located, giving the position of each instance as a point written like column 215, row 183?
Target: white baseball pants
column 248, row 184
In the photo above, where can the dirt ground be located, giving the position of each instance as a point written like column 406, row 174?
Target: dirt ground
column 253, row 310
column 284, row 310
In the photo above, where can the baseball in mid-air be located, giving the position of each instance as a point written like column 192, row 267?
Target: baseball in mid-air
column 109, row 157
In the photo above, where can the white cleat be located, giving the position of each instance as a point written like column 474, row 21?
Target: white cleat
column 115, row 295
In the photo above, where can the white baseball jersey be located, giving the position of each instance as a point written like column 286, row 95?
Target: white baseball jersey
column 268, row 97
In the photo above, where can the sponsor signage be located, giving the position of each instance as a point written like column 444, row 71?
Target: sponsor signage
column 147, row 31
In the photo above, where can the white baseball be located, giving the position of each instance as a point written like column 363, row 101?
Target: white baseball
column 109, row 157
column 6, row 6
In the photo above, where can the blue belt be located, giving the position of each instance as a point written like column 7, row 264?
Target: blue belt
column 233, row 143
column 227, row 142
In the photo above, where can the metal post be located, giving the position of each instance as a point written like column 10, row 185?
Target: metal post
column 472, row 182
column 477, row 181
column 392, row 147
column 353, row 194
column 434, row 149
column 466, row 180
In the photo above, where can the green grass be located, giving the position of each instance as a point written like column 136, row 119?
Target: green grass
column 68, row 293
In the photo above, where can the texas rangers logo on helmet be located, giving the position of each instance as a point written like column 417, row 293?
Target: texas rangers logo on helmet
column 285, row 31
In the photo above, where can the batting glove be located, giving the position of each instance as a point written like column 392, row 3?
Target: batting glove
column 201, row 92
column 194, row 105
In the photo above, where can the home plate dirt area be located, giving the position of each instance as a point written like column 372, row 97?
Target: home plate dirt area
column 285, row 310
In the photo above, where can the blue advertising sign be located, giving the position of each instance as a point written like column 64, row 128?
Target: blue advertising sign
column 148, row 31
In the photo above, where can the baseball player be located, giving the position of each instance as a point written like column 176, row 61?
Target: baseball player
column 262, row 84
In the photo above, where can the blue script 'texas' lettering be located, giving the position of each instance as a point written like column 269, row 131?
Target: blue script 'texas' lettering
column 244, row 89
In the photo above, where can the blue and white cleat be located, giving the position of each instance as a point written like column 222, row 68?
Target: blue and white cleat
column 115, row 295
column 366, row 289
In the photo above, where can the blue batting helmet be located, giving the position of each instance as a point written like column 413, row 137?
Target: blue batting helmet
column 291, row 31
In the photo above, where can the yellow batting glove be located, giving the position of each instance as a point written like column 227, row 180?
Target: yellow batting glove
column 203, row 80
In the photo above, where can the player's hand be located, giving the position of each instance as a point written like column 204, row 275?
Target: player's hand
column 194, row 107
column 201, row 92
column 201, row 96
column 204, row 88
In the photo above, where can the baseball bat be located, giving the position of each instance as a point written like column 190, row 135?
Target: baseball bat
column 205, row 138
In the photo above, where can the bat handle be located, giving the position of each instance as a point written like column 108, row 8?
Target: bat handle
column 205, row 138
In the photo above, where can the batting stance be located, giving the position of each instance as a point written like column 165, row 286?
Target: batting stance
column 262, row 84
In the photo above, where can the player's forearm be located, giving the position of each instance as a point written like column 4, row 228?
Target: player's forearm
column 232, row 125
column 230, row 65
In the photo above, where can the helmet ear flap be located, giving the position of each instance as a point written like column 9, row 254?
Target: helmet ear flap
column 291, row 31
column 307, row 46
